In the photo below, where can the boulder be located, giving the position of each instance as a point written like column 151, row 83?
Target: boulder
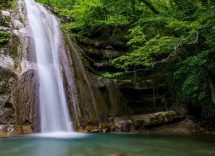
column 155, row 118
column 123, row 124
column 126, row 124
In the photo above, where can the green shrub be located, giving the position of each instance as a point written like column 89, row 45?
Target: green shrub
column 4, row 37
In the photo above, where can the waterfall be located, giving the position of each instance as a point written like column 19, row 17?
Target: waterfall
column 48, row 42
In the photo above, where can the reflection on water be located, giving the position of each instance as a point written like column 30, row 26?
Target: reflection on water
column 107, row 145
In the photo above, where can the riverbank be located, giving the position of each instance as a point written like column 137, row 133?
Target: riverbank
column 163, row 123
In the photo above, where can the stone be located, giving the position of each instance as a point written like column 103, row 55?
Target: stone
column 104, row 125
column 90, row 127
column 7, row 80
column 17, row 24
column 95, row 131
column 112, row 53
column 89, row 42
column 123, row 123
column 188, row 126
column 25, row 99
column 5, row 13
column 111, row 119
column 4, row 19
column 5, row 60
column 105, row 130
column 127, row 124
column 155, row 118
column 12, row 130
column 27, row 129
column 93, row 52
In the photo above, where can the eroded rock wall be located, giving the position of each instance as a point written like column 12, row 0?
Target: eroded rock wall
column 97, row 99
column 101, row 100
column 25, row 100
column 18, row 97
column 7, row 81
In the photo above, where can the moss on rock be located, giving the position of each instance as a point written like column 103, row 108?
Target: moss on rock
column 4, row 37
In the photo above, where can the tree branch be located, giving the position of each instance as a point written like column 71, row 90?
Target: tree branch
column 174, row 53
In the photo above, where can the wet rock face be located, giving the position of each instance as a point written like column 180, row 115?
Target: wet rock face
column 99, row 53
column 113, row 97
column 96, row 99
column 18, row 78
column 25, row 99
column 7, row 80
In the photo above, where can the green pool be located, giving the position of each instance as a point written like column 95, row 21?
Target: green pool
column 108, row 145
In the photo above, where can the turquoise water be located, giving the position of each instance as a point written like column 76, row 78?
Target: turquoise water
column 108, row 145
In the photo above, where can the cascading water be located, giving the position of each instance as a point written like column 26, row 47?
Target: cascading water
column 48, row 42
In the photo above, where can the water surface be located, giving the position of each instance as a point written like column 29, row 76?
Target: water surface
column 108, row 145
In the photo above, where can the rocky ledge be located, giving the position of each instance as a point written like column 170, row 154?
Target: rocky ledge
column 166, row 122
column 138, row 122
column 12, row 130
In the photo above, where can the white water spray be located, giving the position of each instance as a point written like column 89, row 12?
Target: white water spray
column 47, row 39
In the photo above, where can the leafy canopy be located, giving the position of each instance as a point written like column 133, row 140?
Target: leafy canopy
column 179, row 34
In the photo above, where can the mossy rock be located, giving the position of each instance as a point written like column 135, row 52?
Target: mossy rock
column 4, row 37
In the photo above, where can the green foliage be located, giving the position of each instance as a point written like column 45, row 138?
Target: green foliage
column 188, row 36
column 146, row 55
column 190, row 81
column 91, row 16
column 4, row 3
column 179, row 34
column 4, row 37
